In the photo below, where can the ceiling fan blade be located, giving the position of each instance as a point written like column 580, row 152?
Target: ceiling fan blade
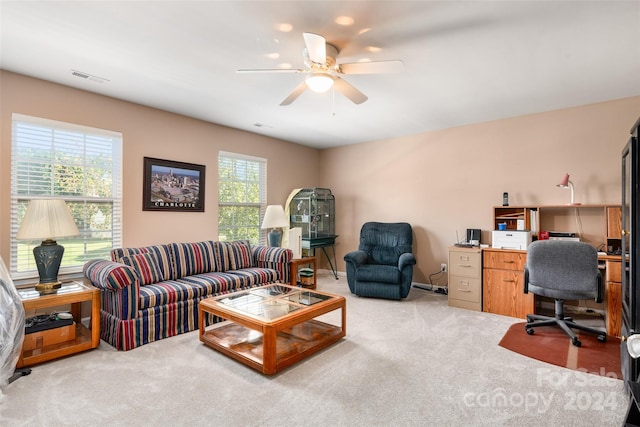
column 316, row 47
column 295, row 94
column 349, row 91
column 374, row 67
column 270, row 70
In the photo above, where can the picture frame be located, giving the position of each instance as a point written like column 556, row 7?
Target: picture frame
column 173, row 186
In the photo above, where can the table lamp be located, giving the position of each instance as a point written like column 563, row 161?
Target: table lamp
column 47, row 220
column 565, row 183
column 275, row 219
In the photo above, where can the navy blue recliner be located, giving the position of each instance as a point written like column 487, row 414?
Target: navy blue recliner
column 382, row 267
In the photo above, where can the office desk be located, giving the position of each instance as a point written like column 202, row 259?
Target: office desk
column 503, row 284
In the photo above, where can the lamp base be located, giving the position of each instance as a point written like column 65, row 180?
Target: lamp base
column 48, row 257
column 275, row 238
column 48, row 288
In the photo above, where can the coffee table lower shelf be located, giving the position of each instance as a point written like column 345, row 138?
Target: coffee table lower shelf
column 292, row 344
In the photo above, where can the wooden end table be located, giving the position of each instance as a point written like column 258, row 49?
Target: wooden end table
column 73, row 293
column 293, row 274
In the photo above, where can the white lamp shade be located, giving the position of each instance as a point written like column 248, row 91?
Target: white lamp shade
column 47, row 219
column 319, row 82
column 274, row 217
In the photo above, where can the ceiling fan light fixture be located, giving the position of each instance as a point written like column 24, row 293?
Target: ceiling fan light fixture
column 319, row 82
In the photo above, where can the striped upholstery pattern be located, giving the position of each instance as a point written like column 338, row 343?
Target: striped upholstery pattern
column 147, row 267
column 133, row 315
column 196, row 258
column 109, row 275
column 162, row 252
column 235, row 255
column 274, row 258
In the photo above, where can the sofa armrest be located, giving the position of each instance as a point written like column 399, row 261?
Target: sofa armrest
column 109, row 275
column 119, row 287
column 273, row 257
column 406, row 259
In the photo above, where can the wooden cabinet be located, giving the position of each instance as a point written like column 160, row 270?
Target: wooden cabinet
column 613, row 296
column 503, row 283
column 465, row 278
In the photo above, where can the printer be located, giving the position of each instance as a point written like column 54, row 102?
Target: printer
column 510, row 239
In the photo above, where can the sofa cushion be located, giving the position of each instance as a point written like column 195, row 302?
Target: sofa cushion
column 196, row 258
column 147, row 267
column 168, row 292
column 163, row 254
column 235, row 255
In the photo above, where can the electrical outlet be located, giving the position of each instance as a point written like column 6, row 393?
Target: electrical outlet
column 443, row 267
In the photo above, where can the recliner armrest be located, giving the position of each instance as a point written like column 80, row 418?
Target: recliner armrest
column 358, row 258
column 406, row 259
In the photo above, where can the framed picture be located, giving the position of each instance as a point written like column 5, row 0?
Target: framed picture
column 173, row 186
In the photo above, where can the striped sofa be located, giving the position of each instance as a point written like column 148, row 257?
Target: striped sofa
column 150, row 293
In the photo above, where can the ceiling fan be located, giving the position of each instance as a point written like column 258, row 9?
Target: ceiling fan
column 323, row 72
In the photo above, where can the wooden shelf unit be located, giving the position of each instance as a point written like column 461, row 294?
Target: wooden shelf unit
column 599, row 224
column 74, row 294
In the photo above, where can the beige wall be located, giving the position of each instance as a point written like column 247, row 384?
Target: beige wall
column 440, row 182
column 152, row 133
column 449, row 180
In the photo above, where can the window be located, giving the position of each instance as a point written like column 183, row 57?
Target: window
column 82, row 166
column 242, row 197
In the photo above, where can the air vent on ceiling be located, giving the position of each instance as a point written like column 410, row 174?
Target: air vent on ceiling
column 88, row 76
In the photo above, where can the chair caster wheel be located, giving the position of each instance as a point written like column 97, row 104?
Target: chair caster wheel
column 529, row 331
column 602, row 338
column 576, row 342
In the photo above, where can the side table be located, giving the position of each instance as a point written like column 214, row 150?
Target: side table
column 293, row 274
column 74, row 293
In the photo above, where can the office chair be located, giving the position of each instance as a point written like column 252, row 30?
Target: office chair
column 562, row 270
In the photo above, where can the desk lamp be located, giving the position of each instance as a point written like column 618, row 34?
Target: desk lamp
column 275, row 219
column 565, row 183
column 47, row 220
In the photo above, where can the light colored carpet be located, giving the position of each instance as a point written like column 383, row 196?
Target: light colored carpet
column 412, row 362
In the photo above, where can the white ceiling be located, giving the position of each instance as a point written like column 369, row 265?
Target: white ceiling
column 464, row 62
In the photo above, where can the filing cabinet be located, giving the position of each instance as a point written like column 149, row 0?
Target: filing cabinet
column 503, row 283
column 465, row 278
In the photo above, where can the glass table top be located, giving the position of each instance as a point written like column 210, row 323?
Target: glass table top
column 273, row 301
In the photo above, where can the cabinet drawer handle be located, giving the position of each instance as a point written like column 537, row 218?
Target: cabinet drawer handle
column 464, row 265
column 463, row 290
column 509, row 262
column 508, row 280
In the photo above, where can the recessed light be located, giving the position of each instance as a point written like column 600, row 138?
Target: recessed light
column 284, row 27
column 364, row 30
column 344, row 20
column 284, row 65
column 374, row 49
column 274, row 55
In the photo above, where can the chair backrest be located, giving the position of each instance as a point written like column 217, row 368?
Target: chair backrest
column 567, row 269
column 385, row 242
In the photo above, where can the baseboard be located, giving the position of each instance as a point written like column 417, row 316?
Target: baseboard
column 427, row 287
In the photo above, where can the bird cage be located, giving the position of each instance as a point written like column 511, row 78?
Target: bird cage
column 314, row 211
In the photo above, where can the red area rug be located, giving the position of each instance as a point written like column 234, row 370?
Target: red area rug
column 549, row 344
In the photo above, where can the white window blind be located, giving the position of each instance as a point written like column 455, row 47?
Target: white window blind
column 82, row 166
column 242, row 197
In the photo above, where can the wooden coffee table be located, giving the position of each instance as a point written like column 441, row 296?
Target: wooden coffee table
column 271, row 327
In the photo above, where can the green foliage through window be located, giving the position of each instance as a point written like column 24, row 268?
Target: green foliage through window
column 241, row 198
